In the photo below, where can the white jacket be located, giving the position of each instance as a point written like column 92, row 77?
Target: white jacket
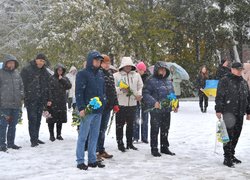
column 132, row 79
column 72, row 79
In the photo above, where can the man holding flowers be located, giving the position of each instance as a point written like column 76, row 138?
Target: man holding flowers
column 90, row 100
column 129, row 90
column 159, row 95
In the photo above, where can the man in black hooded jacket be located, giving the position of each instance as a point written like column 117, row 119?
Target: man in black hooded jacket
column 232, row 102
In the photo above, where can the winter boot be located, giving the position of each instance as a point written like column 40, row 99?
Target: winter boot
column 202, row 110
column 82, row 166
column 58, row 131
column 15, row 147
column 155, row 152
column 205, row 110
column 105, row 155
column 96, row 164
column 167, row 151
column 235, row 160
column 51, row 132
column 131, row 146
column 4, row 149
column 121, row 145
column 228, row 162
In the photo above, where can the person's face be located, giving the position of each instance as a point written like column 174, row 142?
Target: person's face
column 96, row 63
column 204, row 70
column 141, row 72
column 40, row 63
column 237, row 72
column 105, row 65
column 127, row 69
column 162, row 71
column 59, row 71
column 10, row 65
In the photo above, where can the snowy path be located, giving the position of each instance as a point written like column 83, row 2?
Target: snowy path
column 192, row 138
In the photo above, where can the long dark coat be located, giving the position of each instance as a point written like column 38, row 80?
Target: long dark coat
column 57, row 95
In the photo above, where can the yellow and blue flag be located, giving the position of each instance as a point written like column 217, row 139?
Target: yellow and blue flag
column 211, row 87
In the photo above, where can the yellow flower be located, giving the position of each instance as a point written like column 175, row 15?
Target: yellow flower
column 123, row 85
column 174, row 103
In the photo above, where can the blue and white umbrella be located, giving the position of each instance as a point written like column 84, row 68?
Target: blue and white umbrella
column 180, row 71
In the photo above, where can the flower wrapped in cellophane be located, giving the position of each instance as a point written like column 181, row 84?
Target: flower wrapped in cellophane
column 123, row 85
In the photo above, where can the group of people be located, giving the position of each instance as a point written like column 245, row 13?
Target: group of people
column 131, row 93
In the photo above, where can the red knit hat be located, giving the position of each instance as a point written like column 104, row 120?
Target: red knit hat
column 141, row 66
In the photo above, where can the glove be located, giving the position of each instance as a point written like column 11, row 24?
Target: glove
column 116, row 108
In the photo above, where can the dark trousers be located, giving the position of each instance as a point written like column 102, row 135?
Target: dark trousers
column 234, row 134
column 103, row 128
column 11, row 126
column 159, row 121
column 58, row 128
column 203, row 98
column 127, row 114
column 34, row 116
column 143, row 116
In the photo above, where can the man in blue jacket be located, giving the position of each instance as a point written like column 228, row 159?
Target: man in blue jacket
column 156, row 89
column 89, row 84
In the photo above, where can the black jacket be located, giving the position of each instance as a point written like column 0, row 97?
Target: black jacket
column 35, row 83
column 233, row 96
column 57, row 95
column 201, row 83
column 221, row 72
column 110, row 90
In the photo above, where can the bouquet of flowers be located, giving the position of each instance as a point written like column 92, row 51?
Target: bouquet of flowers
column 123, row 85
column 221, row 132
column 170, row 101
column 94, row 104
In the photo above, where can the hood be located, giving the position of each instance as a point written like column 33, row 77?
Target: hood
column 127, row 61
column 72, row 68
column 158, row 65
column 9, row 57
column 91, row 56
column 59, row 65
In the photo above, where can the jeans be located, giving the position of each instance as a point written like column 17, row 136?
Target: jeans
column 159, row 121
column 103, row 128
column 140, row 114
column 34, row 111
column 11, row 133
column 89, row 126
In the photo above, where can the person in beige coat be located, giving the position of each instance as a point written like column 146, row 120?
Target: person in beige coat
column 127, row 100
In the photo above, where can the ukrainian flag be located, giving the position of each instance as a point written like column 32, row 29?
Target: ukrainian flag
column 211, row 87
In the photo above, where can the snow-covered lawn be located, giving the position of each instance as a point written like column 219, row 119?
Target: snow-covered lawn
column 192, row 138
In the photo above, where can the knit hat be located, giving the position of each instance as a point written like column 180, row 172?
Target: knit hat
column 41, row 56
column 237, row 65
column 141, row 66
column 106, row 58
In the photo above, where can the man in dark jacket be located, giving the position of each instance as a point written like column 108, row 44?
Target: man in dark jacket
column 112, row 103
column 11, row 95
column 35, row 79
column 58, row 85
column 89, row 84
column 232, row 101
column 223, row 69
column 156, row 89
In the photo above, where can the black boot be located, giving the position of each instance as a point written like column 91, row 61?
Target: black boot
column 228, row 162
column 51, row 132
column 235, row 160
column 131, row 146
column 121, row 146
column 167, row 151
column 96, row 164
column 155, row 152
column 82, row 166
column 202, row 110
column 59, row 130
column 205, row 110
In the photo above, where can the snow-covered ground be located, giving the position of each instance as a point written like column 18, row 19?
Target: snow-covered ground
column 192, row 138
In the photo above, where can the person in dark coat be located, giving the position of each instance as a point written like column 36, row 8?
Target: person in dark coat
column 112, row 103
column 232, row 102
column 58, row 85
column 223, row 69
column 201, row 83
column 140, row 114
column 89, row 84
column 35, row 79
column 11, row 96
column 156, row 89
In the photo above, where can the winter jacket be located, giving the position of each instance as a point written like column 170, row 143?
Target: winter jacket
column 72, row 79
column 156, row 89
column 221, row 72
column 90, row 83
column 11, row 86
column 132, row 79
column 110, row 90
column 57, row 95
column 233, row 95
column 246, row 73
column 35, row 82
column 201, row 83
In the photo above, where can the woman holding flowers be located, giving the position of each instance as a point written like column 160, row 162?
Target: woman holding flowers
column 157, row 95
column 90, row 100
column 129, row 90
